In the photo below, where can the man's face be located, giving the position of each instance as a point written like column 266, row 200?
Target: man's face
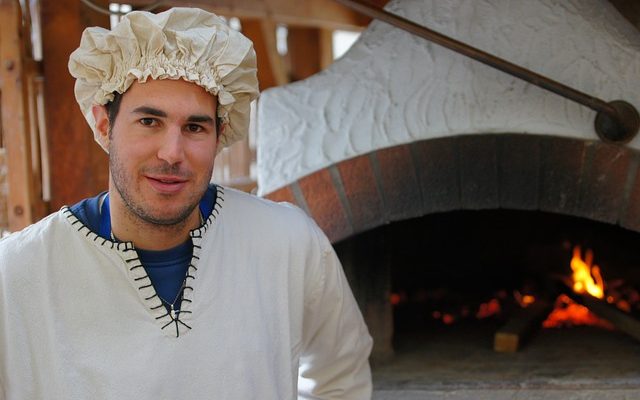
column 162, row 147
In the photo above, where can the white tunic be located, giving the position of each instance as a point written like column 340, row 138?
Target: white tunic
column 267, row 313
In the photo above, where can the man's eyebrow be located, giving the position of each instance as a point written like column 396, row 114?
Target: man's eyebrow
column 200, row 118
column 159, row 113
column 150, row 111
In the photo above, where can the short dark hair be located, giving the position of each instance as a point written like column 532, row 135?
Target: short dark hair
column 112, row 109
column 114, row 106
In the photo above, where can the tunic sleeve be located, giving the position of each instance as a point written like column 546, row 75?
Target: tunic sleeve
column 335, row 359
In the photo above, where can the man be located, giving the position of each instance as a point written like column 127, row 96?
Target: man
column 165, row 287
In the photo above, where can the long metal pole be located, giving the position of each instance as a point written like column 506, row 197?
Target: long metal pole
column 612, row 111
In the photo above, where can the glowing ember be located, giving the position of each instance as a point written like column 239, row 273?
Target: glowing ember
column 523, row 300
column 448, row 319
column 586, row 277
column 488, row 309
column 568, row 313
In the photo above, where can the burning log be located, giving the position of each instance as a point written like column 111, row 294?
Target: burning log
column 621, row 320
column 521, row 326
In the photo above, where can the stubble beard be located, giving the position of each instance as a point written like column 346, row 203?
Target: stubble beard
column 136, row 209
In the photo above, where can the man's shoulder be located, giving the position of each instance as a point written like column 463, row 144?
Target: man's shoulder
column 274, row 216
column 21, row 246
column 248, row 202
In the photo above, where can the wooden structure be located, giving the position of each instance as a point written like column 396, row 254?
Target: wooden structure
column 47, row 168
column 22, row 136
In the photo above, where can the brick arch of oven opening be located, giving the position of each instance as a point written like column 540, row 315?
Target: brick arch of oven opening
column 588, row 179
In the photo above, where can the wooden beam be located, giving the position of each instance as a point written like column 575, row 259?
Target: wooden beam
column 521, row 326
column 312, row 13
column 326, row 48
column 15, row 117
column 79, row 167
column 271, row 67
column 621, row 320
column 304, row 52
column 630, row 9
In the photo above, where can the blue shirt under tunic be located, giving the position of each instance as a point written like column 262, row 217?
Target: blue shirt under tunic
column 167, row 269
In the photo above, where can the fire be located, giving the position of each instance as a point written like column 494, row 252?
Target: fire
column 568, row 313
column 586, row 277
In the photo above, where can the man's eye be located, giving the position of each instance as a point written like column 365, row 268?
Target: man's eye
column 147, row 121
column 193, row 128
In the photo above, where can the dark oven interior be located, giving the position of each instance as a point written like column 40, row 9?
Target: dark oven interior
column 435, row 290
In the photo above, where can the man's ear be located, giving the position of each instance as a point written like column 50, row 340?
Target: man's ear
column 220, row 132
column 101, row 116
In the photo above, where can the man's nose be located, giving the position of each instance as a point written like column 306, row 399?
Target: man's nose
column 171, row 148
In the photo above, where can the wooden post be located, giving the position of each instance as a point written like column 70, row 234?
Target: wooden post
column 14, row 115
column 79, row 167
column 304, row 52
column 326, row 48
column 271, row 68
column 4, row 221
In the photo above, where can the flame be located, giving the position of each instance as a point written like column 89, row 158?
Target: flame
column 586, row 277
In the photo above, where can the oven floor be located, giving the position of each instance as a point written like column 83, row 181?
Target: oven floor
column 458, row 363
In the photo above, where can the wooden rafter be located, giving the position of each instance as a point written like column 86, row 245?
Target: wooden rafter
column 312, row 13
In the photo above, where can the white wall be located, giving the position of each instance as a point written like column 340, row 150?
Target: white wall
column 392, row 87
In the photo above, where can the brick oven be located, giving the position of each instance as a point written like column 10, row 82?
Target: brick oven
column 430, row 171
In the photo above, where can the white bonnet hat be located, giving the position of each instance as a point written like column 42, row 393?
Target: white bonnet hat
column 181, row 43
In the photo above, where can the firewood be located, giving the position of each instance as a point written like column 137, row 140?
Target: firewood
column 621, row 320
column 521, row 326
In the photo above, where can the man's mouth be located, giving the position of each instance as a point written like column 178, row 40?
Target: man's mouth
column 166, row 184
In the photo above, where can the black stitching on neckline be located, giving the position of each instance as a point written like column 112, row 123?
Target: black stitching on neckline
column 178, row 321
column 126, row 247
column 168, row 323
column 163, row 315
